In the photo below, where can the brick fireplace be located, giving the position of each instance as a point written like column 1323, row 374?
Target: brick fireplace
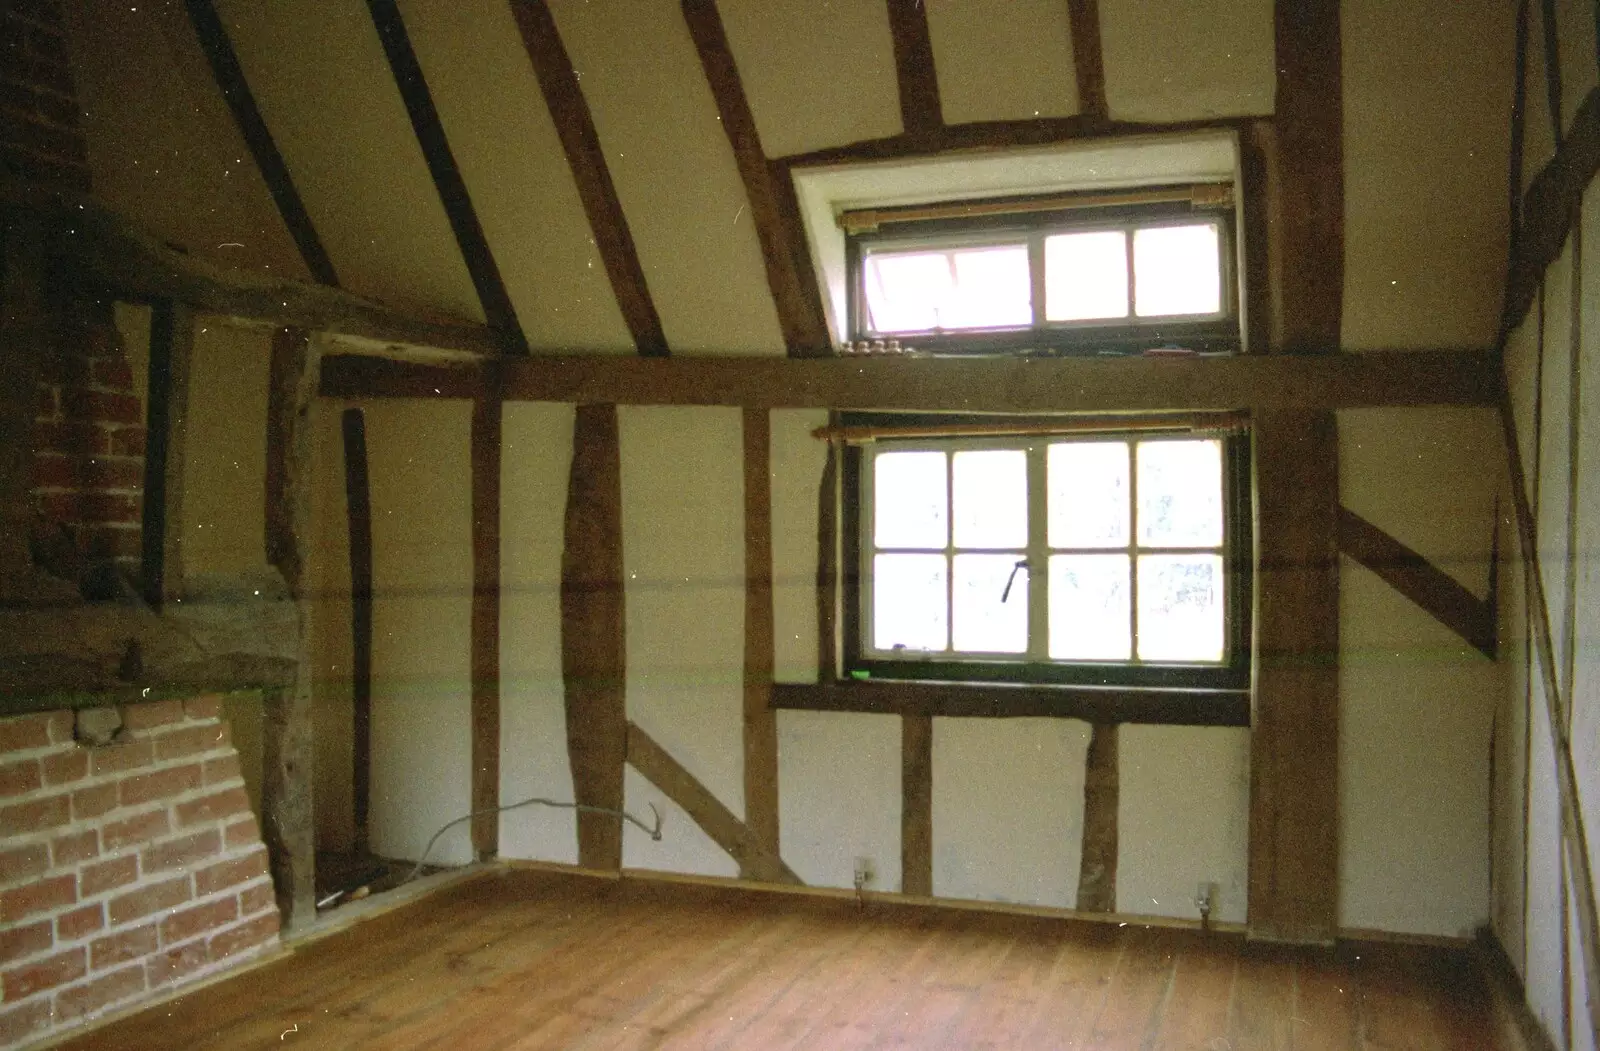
column 126, row 869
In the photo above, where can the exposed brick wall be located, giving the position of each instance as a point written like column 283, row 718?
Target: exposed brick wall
column 89, row 439
column 125, row 870
column 40, row 135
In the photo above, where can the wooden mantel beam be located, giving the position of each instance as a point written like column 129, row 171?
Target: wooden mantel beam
column 1324, row 381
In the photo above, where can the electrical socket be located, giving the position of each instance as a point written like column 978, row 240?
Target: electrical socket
column 865, row 872
column 1205, row 898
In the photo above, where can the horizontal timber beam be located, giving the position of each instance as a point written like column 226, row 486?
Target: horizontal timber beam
column 1001, row 700
column 1325, row 381
column 102, row 248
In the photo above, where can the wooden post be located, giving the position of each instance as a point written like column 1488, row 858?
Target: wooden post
column 487, row 413
column 358, row 501
column 287, row 824
column 171, row 344
column 593, row 639
column 760, row 721
column 916, row 806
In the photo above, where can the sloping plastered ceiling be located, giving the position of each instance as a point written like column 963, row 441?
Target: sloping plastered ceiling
column 163, row 147
column 1002, row 59
column 1215, row 58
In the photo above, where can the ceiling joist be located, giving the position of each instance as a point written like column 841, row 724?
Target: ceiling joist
column 920, row 112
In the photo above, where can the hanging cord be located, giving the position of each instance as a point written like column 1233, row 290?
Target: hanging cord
column 653, row 833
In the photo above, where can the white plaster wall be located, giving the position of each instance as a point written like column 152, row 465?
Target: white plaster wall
column 797, row 465
column 422, row 606
column 683, row 846
column 1216, row 58
column 1003, row 59
column 839, row 796
column 535, row 460
column 1008, row 809
column 1183, row 818
column 683, row 565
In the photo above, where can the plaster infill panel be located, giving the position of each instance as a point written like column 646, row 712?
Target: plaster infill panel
column 535, row 460
column 1008, row 809
column 1187, row 59
column 839, row 796
column 1003, row 59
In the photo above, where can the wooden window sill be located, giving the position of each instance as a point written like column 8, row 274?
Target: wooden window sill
column 1101, row 704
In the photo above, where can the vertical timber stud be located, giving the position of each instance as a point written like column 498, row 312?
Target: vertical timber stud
column 558, row 82
column 171, row 344
column 920, row 112
column 358, row 501
column 1294, row 797
column 1087, row 59
column 286, row 777
column 485, row 273
column 760, row 721
column 593, row 639
column 916, row 807
column 487, row 415
column 1097, row 866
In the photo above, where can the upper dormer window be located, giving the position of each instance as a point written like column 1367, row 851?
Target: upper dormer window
column 1064, row 273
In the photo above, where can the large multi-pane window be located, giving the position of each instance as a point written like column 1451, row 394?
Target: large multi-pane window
column 1092, row 558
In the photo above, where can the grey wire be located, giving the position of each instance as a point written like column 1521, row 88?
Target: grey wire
column 653, row 833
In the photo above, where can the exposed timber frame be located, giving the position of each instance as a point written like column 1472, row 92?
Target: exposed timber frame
column 236, row 91
column 1097, row 865
column 1294, row 763
column 558, row 82
column 484, row 643
column 916, row 805
column 768, row 188
column 1088, row 59
column 760, row 720
column 593, row 633
column 358, row 508
column 1054, row 385
column 657, row 765
column 920, row 112
column 470, row 238
column 1474, row 620
column 171, row 347
column 288, row 825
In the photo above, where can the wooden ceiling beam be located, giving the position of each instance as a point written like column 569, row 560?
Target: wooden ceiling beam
column 1087, row 59
column 768, row 188
column 274, row 172
column 558, row 82
column 920, row 111
column 99, row 247
column 474, row 245
column 1260, row 382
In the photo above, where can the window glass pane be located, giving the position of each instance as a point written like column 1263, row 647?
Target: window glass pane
column 991, row 498
column 1180, row 494
column 1180, row 608
column 909, row 602
column 1089, row 607
column 983, row 622
column 1086, row 276
column 1177, row 270
column 1088, row 504
column 961, row 288
column 909, row 508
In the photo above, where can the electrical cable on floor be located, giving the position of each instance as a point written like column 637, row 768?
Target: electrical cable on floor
column 653, row 833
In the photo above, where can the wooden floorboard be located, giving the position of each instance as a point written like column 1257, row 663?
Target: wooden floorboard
column 518, row 960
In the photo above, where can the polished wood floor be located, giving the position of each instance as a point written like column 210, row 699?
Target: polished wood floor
column 522, row 960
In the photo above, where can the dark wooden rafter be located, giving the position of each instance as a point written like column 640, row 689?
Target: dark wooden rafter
column 920, row 112
column 358, row 508
column 171, row 346
column 575, row 125
column 274, row 172
column 593, row 639
column 916, row 805
column 767, row 188
column 1097, row 866
column 1088, row 59
column 470, row 238
column 756, row 860
column 1259, row 382
column 486, row 445
column 1514, row 216
column 1258, row 157
column 288, row 824
column 1552, row 68
column 1435, row 591
column 1574, row 836
column 760, row 721
column 1550, row 206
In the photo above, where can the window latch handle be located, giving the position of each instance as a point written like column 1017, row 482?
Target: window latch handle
column 1021, row 564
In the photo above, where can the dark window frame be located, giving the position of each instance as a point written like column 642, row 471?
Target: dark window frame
column 1238, row 568
column 1116, row 336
